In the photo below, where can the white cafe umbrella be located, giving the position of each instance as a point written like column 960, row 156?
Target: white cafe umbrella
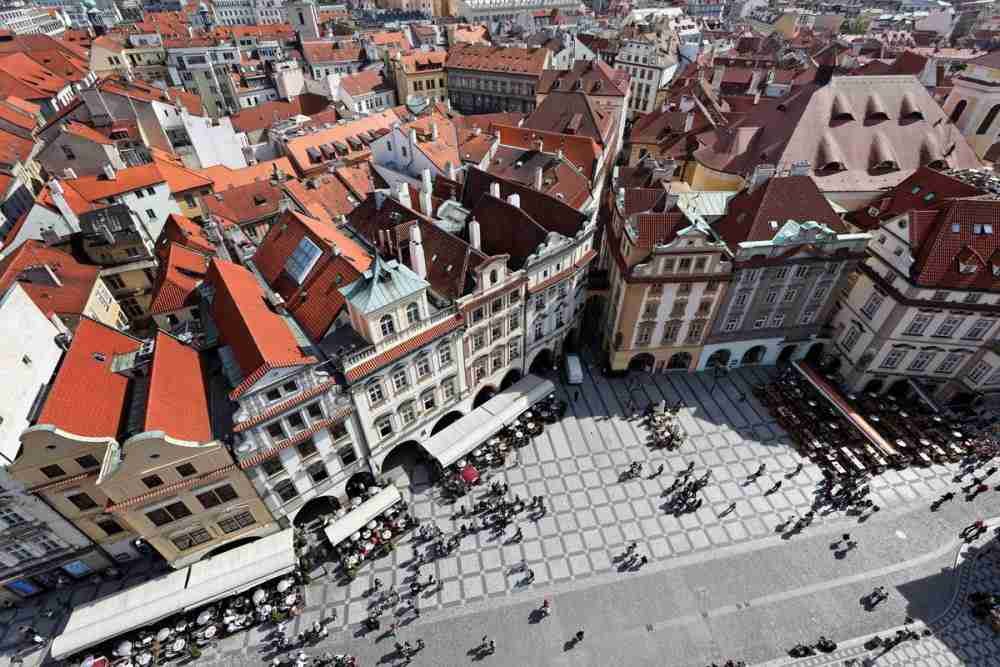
column 164, row 634
column 259, row 596
column 178, row 645
column 210, row 631
column 88, row 661
column 125, row 648
column 284, row 585
column 204, row 617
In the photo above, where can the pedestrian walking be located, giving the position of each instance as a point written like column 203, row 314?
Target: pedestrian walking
column 643, row 561
column 631, row 548
column 576, row 395
column 579, row 636
column 530, row 576
column 659, row 471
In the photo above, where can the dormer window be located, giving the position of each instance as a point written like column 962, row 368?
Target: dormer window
column 967, row 267
column 982, row 229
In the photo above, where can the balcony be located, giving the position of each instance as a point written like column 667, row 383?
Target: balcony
column 412, row 331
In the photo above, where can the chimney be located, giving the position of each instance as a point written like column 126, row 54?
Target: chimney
column 761, row 174
column 514, row 200
column 417, row 260
column 688, row 121
column 474, row 238
column 426, row 205
column 69, row 173
column 59, row 199
column 434, row 131
column 413, row 137
column 109, row 172
column 450, row 171
column 538, row 178
column 495, row 189
column 403, row 194
column 476, row 131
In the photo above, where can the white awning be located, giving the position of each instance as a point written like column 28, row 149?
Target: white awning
column 355, row 520
column 199, row 584
column 476, row 427
column 241, row 569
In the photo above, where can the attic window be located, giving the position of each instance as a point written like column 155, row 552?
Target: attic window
column 967, row 267
column 956, row 227
column 99, row 356
column 915, row 189
column 831, row 167
column 929, row 196
column 259, row 200
column 982, row 230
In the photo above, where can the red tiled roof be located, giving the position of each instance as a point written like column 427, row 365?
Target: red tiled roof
column 260, row 338
column 926, row 188
column 245, row 203
column 956, row 240
column 96, row 188
column 177, row 403
column 421, row 61
column 11, row 112
column 181, row 179
column 497, row 59
column 328, row 52
column 87, row 132
column 86, row 372
column 267, row 114
column 317, row 301
column 186, row 232
column 181, row 271
column 76, row 281
column 589, row 76
column 750, row 213
column 404, row 348
column 14, row 149
column 364, row 82
column 224, row 178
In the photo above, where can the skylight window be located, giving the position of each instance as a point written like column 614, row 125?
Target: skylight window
column 929, row 196
column 301, row 262
column 915, row 190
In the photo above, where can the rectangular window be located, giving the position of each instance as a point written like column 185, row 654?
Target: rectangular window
column 668, row 266
column 649, row 311
column 478, row 341
column 383, row 426
column 949, row 364
column 496, row 332
column 918, row 324
column 850, row 338
column 315, row 412
column 695, row 330
column 428, row 401
column 306, row 448
column 168, row 513
column 276, row 431
column 893, row 358
column 87, row 462
column 801, row 271
column 53, row 471
column 980, row 371
column 191, row 539
column 444, row 356
column 347, row 455
column 947, row 328
column 699, row 264
column 448, row 389
column 670, row 332
column 978, row 329
column 82, row 501
column 922, row 360
column 317, row 472
column 296, row 422
column 539, row 329
column 514, row 349
column 151, row 214
column 807, row 317
column 513, row 322
column 760, row 323
column 872, row 305
column 238, row 521
column 777, row 320
column 272, row 467
column 338, row 431
column 152, row 481
column 731, row 325
column 399, row 379
column 286, row 490
column 109, row 526
column 645, row 335
column 684, row 265
column 407, row 414
column 477, row 315
column 186, row 470
column 772, row 295
column 375, row 395
column 540, row 301
column 217, row 496
column 790, row 295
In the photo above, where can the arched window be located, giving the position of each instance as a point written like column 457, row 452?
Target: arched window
column 387, row 325
column 413, row 313
column 984, row 127
column 493, row 277
column 956, row 113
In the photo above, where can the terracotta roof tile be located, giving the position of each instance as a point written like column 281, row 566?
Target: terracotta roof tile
column 328, row 52
column 86, row 371
column 245, row 203
column 177, row 402
column 967, row 231
column 97, row 188
column 181, row 230
column 259, row 337
column 364, row 82
column 180, row 179
column 423, row 61
column 181, row 271
column 497, row 59
column 67, row 297
column 224, row 178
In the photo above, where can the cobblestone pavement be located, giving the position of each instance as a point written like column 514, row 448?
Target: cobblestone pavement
column 716, row 587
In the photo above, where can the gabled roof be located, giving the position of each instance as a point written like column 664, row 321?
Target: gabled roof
column 365, row 82
column 317, row 301
column 181, row 271
column 86, row 371
column 423, row 61
column 245, row 203
column 177, row 402
column 783, row 132
column 572, row 113
column 361, row 179
column 181, row 230
column 758, row 214
column 67, row 294
column 86, row 132
column 511, row 60
column 14, row 149
column 591, row 77
column 325, row 191
column 328, row 52
column 926, row 188
column 265, row 115
column 23, row 77
column 179, row 178
column 99, row 187
column 301, row 150
column 960, row 236
column 224, row 178
column 260, row 338
column 582, row 151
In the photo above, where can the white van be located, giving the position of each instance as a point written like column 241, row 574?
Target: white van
column 574, row 369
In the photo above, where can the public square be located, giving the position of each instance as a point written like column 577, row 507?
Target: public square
column 715, row 588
